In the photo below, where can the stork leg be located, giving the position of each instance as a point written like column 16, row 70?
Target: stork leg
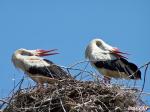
column 106, row 80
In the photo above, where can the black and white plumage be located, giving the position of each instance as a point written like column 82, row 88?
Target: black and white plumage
column 110, row 62
column 37, row 68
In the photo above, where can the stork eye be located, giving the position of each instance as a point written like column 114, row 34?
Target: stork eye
column 26, row 54
column 98, row 43
column 30, row 54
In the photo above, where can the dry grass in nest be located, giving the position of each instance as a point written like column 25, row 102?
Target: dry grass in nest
column 73, row 96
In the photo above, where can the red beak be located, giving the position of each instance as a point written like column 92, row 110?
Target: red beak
column 41, row 52
column 118, row 53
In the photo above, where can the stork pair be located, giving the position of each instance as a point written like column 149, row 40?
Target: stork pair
column 109, row 61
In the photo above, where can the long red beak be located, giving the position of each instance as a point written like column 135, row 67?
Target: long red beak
column 41, row 52
column 118, row 53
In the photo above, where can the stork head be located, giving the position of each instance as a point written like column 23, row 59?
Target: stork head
column 100, row 46
column 37, row 52
column 21, row 54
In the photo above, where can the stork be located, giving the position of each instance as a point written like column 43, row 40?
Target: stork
column 37, row 68
column 110, row 62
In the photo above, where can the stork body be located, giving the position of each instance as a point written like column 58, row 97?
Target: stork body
column 110, row 62
column 37, row 68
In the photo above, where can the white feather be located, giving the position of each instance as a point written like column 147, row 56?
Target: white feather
column 99, row 53
column 22, row 61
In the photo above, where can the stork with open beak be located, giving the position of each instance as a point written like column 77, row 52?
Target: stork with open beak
column 110, row 62
column 37, row 68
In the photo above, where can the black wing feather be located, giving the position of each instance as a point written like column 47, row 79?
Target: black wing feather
column 52, row 71
column 120, row 65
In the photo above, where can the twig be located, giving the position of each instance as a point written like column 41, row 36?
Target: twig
column 79, row 62
column 146, row 64
column 144, row 80
column 82, row 71
column 62, row 105
column 4, row 101
column 77, row 69
column 20, row 82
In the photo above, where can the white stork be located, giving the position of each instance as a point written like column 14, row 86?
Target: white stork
column 110, row 62
column 37, row 68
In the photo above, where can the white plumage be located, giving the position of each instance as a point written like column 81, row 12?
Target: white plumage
column 109, row 61
column 99, row 50
column 37, row 68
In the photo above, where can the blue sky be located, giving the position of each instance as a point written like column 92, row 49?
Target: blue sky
column 69, row 26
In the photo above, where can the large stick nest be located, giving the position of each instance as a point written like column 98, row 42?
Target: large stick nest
column 73, row 96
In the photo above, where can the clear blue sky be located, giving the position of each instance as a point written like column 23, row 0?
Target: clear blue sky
column 69, row 25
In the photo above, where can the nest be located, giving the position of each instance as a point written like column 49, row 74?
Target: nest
column 73, row 96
